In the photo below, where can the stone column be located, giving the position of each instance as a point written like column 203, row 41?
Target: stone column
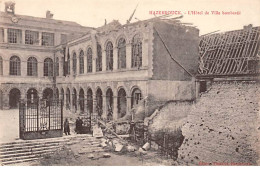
column 128, row 104
column 5, row 35
column 94, row 50
column 128, row 55
column 104, row 108
column 104, row 64
column 23, row 36
column 78, row 104
column 115, row 58
column 94, row 114
column 115, row 109
column 40, row 38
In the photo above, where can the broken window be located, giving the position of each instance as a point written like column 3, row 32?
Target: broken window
column 109, row 56
column 121, row 53
column 136, row 96
column 48, row 67
column 14, row 35
column 137, row 51
column 32, row 66
column 15, row 65
column 89, row 59
column 203, row 86
column 47, row 39
column 31, row 37
column 81, row 62
column 99, row 58
column 74, row 63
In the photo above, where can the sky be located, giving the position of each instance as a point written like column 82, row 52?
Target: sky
column 93, row 13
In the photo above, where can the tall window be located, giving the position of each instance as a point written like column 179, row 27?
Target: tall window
column 89, row 57
column 68, row 64
column 137, row 51
column 31, row 37
column 1, row 65
column 15, row 66
column 63, row 38
column 99, row 58
column 32, row 66
column 74, row 63
column 57, row 66
column 109, row 56
column 121, row 53
column 1, row 34
column 14, row 35
column 81, row 62
column 48, row 67
column 47, row 39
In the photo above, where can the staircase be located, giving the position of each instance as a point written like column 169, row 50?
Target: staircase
column 30, row 150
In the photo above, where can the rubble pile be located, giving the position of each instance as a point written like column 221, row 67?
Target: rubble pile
column 223, row 126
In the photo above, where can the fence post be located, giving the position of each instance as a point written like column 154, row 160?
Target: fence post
column 37, row 104
column 49, row 114
column 61, row 115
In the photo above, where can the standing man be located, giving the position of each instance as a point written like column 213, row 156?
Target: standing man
column 66, row 127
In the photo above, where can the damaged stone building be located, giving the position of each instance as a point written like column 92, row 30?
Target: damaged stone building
column 103, row 71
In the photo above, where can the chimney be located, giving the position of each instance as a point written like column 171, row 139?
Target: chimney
column 9, row 7
column 49, row 15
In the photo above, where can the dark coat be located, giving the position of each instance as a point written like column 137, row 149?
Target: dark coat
column 66, row 126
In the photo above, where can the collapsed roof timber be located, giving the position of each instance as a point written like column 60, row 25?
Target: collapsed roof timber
column 230, row 53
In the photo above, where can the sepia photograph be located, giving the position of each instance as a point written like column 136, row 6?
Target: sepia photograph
column 129, row 83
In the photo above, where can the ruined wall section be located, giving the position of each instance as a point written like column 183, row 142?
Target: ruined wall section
column 223, row 126
column 170, row 81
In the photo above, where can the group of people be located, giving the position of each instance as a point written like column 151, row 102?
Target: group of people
column 78, row 129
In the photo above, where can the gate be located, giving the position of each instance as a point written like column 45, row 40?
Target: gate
column 40, row 119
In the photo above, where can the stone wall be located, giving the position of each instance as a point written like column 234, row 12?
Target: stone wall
column 223, row 127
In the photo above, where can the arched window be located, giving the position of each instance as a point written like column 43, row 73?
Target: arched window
column 15, row 66
column 74, row 63
column 48, row 67
column 136, row 97
column 99, row 58
column 32, row 66
column 81, row 100
column 109, row 56
column 89, row 57
column 62, row 95
column 68, row 99
column 137, row 51
column 99, row 104
column 121, row 53
column 1, row 65
column 81, row 62
column 57, row 66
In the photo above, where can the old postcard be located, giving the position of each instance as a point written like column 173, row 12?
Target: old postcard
column 129, row 83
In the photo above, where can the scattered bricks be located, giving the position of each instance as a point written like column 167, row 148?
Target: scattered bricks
column 91, row 156
column 146, row 146
column 142, row 151
column 118, row 147
column 106, row 155
column 130, row 148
